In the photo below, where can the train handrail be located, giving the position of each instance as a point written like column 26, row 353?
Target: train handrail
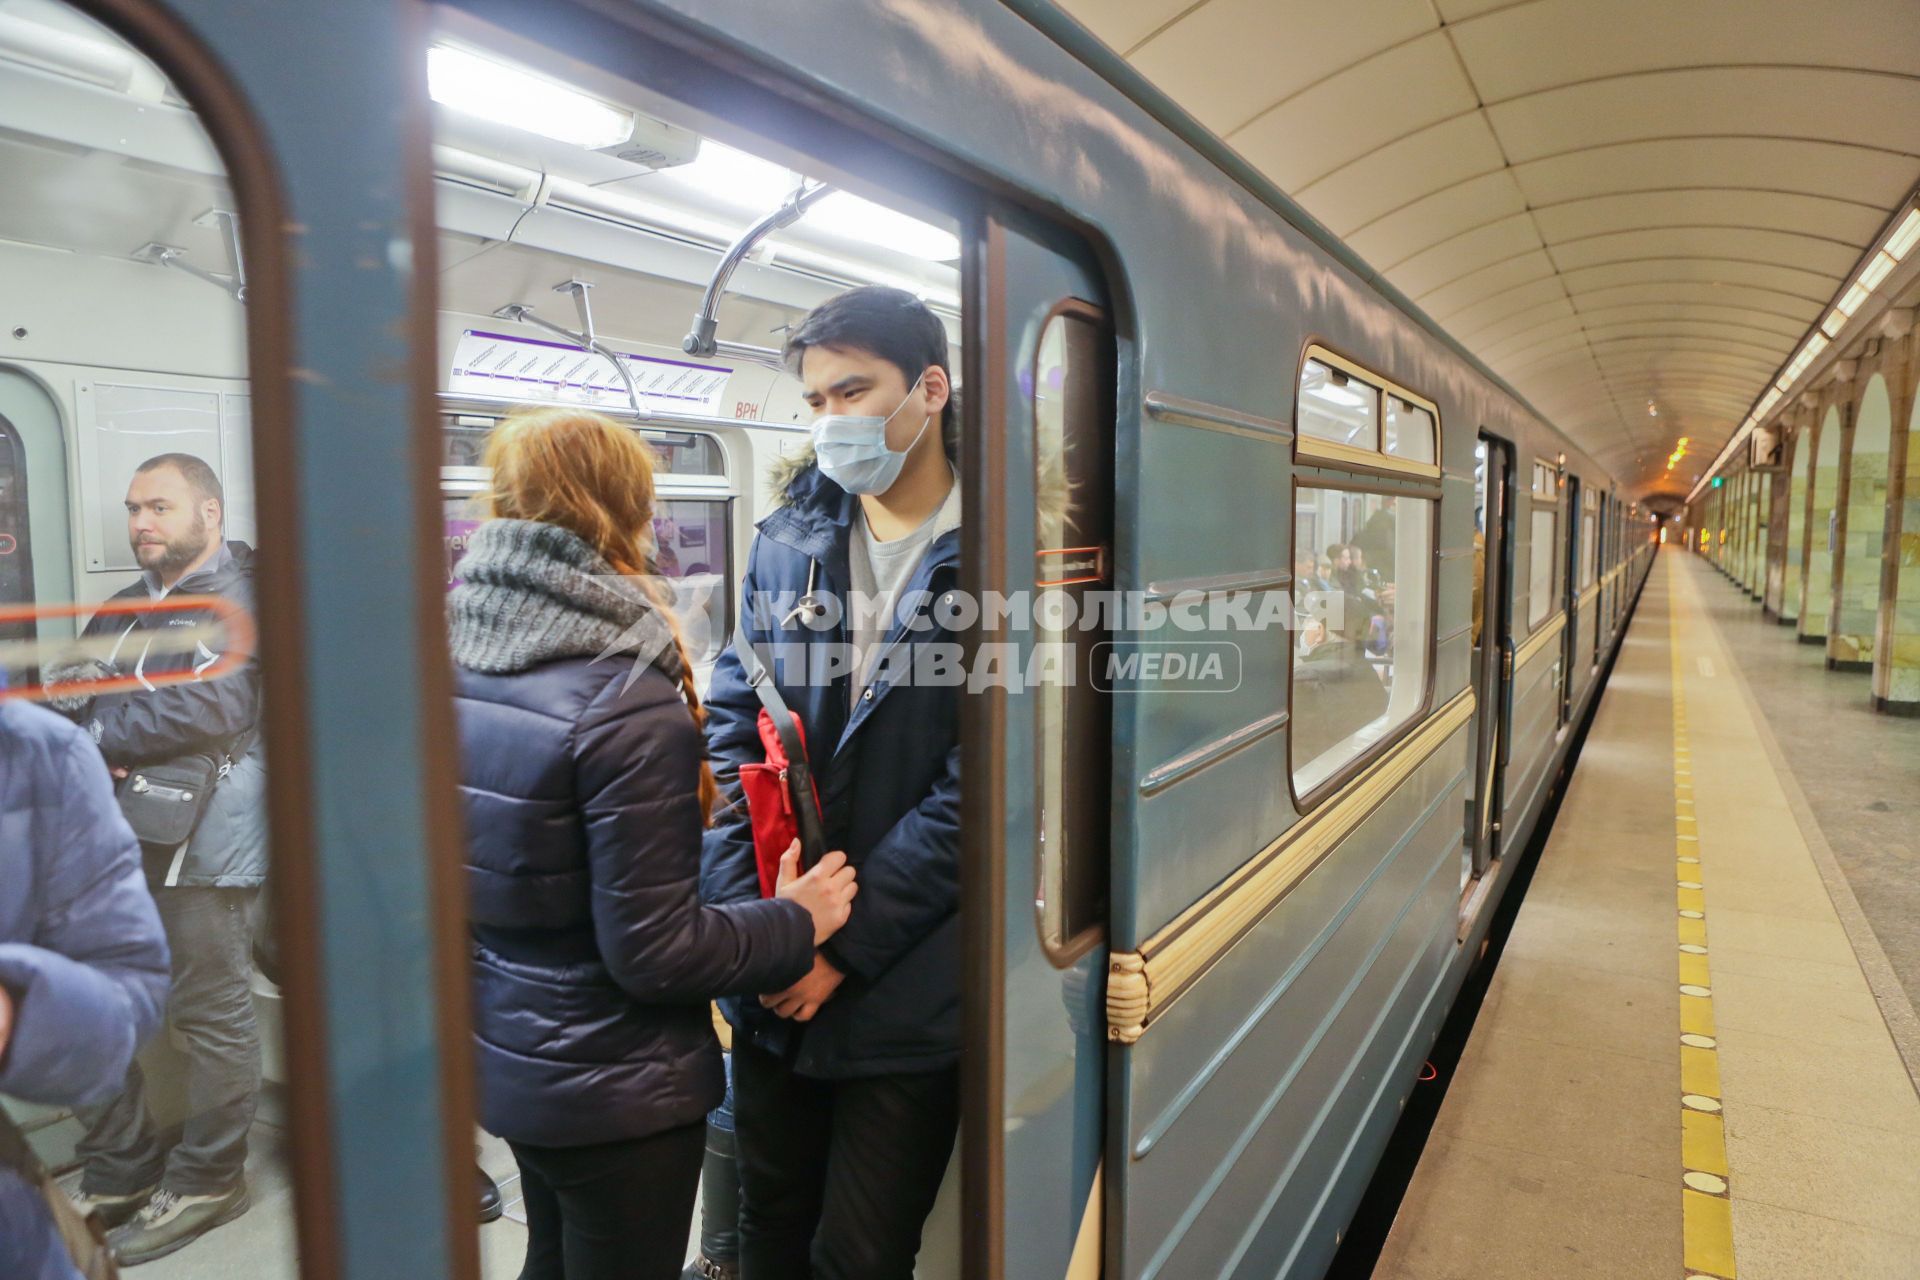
column 241, row 640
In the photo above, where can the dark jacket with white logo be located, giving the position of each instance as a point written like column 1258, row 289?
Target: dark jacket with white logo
column 216, row 711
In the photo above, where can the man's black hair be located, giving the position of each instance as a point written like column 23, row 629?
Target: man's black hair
column 200, row 477
column 889, row 323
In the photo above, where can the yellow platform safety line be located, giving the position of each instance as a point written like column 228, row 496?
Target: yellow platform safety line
column 1706, row 1211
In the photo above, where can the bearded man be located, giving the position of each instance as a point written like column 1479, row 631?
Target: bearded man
column 190, row 698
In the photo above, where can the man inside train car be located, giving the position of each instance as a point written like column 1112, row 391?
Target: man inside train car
column 846, row 1085
column 159, row 1199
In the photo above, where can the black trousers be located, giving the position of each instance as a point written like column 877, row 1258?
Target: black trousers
column 613, row 1210
column 210, row 932
column 837, row 1176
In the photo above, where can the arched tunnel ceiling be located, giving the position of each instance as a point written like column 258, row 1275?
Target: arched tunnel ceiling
column 1609, row 201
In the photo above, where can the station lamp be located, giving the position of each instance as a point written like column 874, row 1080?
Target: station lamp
column 1875, row 266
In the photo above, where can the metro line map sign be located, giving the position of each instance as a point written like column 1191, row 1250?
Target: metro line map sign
column 497, row 364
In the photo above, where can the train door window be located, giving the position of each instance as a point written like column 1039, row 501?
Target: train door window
column 1073, row 415
column 120, row 249
column 1543, row 546
column 16, row 545
column 1480, row 517
column 1492, row 590
column 1589, row 538
column 693, row 551
column 1361, row 647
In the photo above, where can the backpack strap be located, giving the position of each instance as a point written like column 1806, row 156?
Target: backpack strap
column 813, row 836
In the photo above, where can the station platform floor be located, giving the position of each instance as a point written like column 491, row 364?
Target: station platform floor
column 1695, row 1058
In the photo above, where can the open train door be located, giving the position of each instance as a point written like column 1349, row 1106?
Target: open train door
column 1037, row 760
column 1570, row 551
column 1492, row 658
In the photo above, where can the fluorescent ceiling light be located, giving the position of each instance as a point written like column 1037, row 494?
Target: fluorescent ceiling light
column 1836, row 321
column 1815, row 345
column 849, row 216
column 1906, row 236
column 1340, row 396
column 746, row 182
column 466, row 82
column 734, row 178
column 1876, row 271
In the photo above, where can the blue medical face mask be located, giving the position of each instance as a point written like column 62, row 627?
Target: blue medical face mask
column 852, row 449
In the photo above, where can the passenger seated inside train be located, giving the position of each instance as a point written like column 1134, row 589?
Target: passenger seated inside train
column 1335, row 689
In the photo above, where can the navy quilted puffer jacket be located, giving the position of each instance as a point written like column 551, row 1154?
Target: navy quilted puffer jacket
column 593, row 958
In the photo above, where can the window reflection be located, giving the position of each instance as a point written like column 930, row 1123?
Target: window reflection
column 1334, row 405
column 146, row 1074
column 1361, row 570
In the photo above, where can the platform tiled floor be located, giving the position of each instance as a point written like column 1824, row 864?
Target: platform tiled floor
column 1857, row 771
column 1557, row 1151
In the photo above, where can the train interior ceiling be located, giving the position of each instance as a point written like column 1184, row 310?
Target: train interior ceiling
column 115, row 193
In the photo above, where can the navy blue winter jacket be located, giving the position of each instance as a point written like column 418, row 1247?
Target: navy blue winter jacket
column 82, row 954
column 889, row 777
column 593, row 957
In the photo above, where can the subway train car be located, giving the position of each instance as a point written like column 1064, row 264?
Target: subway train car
column 1219, row 890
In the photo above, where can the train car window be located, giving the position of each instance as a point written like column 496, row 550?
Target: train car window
column 693, row 550
column 1360, row 649
column 676, row 453
column 129, row 427
column 1410, row 432
column 1072, row 426
column 1352, row 417
column 1336, row 406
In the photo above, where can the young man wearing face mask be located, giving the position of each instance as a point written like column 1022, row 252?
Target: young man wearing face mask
column 846, row 1085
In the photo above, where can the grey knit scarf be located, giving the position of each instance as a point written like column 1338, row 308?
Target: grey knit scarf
column 531, row 593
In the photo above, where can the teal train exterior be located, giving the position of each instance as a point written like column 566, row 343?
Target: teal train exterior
column 1202, row 970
